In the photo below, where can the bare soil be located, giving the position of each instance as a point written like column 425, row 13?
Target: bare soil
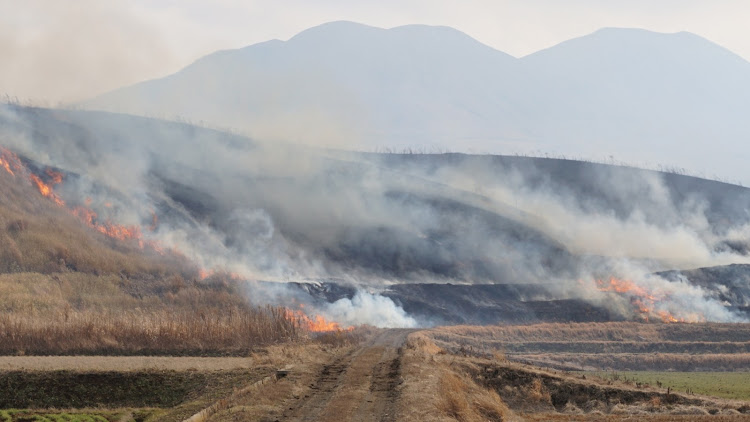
column 359, row 383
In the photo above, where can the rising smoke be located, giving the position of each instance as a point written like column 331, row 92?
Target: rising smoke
column 276, row 213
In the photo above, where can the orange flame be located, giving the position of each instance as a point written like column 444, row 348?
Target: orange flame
column 115, row 231
column 107, row 228
column 12, row 164
column 10, row 161
column 316, row 323
column 624, row 286
column 46, row 190
column 642, row 300
column 668, row 317
column 55, row 176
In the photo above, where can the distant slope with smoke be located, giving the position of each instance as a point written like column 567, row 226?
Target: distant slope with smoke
column 648, row 98
column 38, row 236
column 275, row 212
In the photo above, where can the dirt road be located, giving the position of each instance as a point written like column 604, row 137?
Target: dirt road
column 361, row 385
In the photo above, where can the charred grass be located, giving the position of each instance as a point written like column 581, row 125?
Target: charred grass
column 144, row 396
column 152, row 394
column 74, row 389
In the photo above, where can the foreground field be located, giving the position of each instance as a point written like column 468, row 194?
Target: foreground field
column 140, row 388
column 364, row 375
column 381, row 375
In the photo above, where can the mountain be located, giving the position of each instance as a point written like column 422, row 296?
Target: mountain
column 673, row 100
column 644, row 96
column 340, row 79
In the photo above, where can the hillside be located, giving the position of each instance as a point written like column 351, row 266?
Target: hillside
column 643, row 97
column 577, row 237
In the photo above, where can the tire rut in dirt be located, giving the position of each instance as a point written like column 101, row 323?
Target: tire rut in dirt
column 308, row 409
column 385, row 387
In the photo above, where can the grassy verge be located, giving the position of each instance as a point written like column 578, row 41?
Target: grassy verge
column 730, row 385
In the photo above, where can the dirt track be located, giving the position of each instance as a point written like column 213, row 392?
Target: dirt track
column 361, row 385
column 361, row 382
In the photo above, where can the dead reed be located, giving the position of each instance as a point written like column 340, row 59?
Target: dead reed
column 176, row 331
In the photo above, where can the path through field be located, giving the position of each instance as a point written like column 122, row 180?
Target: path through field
column 361, row 385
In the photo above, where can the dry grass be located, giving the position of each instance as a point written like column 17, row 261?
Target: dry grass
column 437, row 390
column 608, row 346
column 604, row 332
column 539, row 394
column 682, row 362
column 461, row 399
column 79, row 313
column 235, row 330
column 38, row 236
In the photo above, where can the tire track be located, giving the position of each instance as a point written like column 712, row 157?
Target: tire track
column 362, row 385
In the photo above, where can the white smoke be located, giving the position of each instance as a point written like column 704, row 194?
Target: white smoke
column 367, row 308
column 277, row 212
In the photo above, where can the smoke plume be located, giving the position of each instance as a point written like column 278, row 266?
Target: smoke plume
column 276, row 213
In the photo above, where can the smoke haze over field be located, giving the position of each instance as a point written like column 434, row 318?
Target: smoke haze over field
column 77, row 49
column 277, row 212
column 659, row 100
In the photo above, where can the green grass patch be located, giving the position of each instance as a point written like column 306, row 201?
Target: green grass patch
column 730, row 385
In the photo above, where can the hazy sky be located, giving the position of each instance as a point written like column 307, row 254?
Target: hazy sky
column 70, row 50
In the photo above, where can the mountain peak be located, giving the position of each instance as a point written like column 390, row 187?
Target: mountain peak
column 350, row 33
column 335, row 28
column 616, row 91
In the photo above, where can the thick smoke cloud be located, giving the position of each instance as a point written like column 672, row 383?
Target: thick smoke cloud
column 367, row 308
column 273, row 212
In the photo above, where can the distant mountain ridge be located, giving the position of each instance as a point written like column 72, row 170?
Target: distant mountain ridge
column 644, row 97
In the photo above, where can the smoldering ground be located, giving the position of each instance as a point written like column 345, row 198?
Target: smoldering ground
column 280, row 212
